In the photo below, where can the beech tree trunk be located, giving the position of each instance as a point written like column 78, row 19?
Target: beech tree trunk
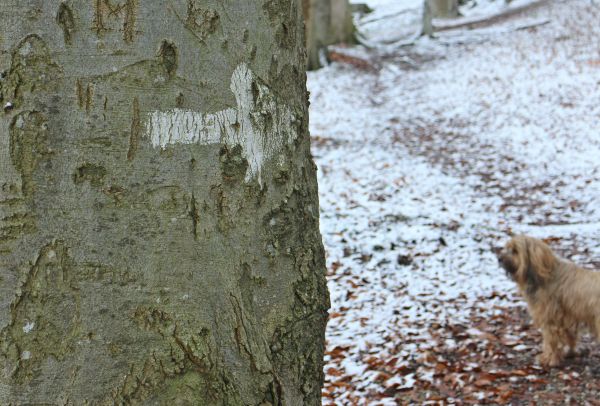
column 426, row 20
column 159, row 238
column 443, row 8
column 327, row 22
column 342, row 26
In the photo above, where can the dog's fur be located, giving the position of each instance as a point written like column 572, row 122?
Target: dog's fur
column 561, row 296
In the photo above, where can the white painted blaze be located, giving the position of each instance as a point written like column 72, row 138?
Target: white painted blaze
column 242, row 126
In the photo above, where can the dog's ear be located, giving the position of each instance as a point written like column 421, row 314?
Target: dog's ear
column 541, row 258
column 538, row 264
column 519, row 250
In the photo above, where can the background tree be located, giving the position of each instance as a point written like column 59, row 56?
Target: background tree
column 437, row 9
column 443, row 8
column 327, row 22
column 158, row 205
column 427, row 20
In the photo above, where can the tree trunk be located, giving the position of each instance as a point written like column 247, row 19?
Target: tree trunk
column 159, row 237
column 317, row 17
column 327, row 22
column 342, row 26
column 443, row 8
column 427, row 23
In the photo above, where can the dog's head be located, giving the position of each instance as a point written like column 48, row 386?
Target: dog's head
column 528, row 261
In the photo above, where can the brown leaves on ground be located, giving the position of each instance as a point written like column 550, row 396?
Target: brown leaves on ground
column 488, row 354
column 353, row 61
column 491, row 361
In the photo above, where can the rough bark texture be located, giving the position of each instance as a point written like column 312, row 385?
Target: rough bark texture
column 327, row 22
column 159, row 234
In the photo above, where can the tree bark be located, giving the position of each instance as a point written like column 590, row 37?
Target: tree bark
column 443, row 8
column 342, row 26
column 427, row 23
column 159, row 234
column 327, row 22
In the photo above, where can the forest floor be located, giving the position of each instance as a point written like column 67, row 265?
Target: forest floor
column 429, row 157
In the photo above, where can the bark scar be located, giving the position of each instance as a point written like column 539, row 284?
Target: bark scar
column 136, row 130
column 65, row 19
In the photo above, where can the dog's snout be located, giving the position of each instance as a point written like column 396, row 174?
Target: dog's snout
column 504, row 260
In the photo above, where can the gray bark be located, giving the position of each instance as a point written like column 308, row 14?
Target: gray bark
column 159, row 234
column 342, row 26
column 443, row 8
column 327, row 22
column 427, row 23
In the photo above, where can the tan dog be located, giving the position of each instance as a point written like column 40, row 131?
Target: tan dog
column 561, row 296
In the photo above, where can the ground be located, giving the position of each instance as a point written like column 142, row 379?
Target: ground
column 431, row 155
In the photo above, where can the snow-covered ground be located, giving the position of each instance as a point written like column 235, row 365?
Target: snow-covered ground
column 429, row 157
column 399, row 21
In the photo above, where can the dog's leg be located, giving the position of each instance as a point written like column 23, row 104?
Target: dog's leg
column 595, row 329
column 551, row 355
column 571, row 336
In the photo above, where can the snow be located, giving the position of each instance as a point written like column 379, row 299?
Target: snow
column 392, row 20
column 431, row 159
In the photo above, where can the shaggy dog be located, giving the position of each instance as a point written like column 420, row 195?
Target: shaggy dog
column 561, row 296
